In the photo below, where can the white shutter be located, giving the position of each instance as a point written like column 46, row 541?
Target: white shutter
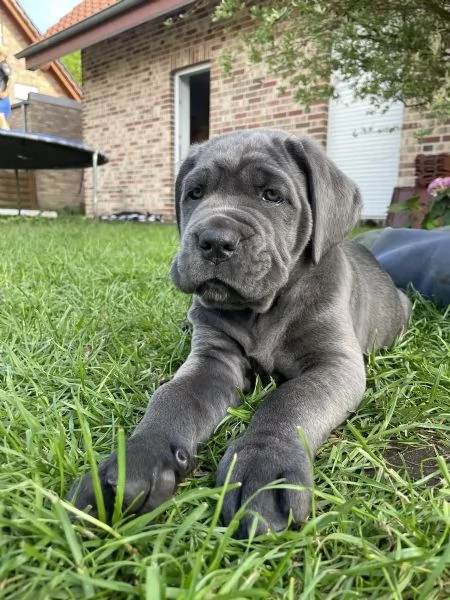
column 366, row 147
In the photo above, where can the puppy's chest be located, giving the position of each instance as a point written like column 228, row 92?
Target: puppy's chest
column 269, row 346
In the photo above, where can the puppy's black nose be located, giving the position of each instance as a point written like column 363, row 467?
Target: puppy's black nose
column 218, row 244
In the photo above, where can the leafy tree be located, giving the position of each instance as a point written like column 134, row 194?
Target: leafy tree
column 72, row 62
column 386, row 49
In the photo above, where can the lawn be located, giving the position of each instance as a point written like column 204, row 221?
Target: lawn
column 89, row 327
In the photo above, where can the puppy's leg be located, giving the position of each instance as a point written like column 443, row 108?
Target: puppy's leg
column 181, row 414
column 327, row 389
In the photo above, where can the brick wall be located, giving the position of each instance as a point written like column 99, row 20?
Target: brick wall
column 129, row 106
column 57, row 189
column 14, row 39
column 435, row 142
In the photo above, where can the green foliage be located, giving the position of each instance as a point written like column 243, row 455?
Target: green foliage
column 386, row 50
column 72, row 62
column 89, row 326
column 226, row 63
column 428, row 216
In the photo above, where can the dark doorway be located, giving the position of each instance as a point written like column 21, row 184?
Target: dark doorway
column 199, row 105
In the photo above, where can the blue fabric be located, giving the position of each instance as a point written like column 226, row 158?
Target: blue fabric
column 416, row 257
column 5, row 107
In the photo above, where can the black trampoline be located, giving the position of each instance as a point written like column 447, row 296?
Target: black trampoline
column 20, row 150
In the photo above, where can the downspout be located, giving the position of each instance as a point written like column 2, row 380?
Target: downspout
column 23, row 110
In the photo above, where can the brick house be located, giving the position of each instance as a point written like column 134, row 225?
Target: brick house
column 150, row 90
column 44, row 100
column 17, row 32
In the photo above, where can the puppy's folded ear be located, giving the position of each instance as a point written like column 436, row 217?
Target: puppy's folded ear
column 335, row 200
column 187, row 165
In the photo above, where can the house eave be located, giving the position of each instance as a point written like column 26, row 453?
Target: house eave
column 57, row 70
column 109, row 22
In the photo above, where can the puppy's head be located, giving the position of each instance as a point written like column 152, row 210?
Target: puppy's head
column 249, row 205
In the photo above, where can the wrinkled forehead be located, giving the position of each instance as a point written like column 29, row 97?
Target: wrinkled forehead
column 234, row 153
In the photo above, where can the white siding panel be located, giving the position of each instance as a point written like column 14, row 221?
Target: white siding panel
column 362, row 146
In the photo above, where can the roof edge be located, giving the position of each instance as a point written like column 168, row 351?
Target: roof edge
column 80, row 27
column 58, row 70
column 110, row 21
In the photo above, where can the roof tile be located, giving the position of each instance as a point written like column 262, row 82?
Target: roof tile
column 79, row 13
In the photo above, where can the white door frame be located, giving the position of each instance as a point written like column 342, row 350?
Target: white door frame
column 183, row 109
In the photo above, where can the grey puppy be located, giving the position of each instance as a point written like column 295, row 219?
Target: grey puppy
column 277, row 291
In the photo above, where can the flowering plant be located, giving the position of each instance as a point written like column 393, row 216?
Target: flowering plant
column 439, row 210
column 428, row 215
column 438, row 186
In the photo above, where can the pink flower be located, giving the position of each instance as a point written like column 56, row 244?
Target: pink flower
column 438, row 185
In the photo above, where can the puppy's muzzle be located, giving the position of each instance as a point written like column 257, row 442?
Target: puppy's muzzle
column 218, row 244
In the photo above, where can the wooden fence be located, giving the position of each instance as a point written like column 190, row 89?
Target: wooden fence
column 9, row 196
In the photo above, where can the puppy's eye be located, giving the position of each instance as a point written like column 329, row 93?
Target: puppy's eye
column 196, row 193
column 271, row 195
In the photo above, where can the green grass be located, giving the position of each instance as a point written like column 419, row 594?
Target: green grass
column 361, row 229
column 89, row 327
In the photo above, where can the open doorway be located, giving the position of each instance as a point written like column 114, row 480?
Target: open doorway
column 192, row 99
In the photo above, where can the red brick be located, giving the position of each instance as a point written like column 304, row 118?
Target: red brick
column 135, row 124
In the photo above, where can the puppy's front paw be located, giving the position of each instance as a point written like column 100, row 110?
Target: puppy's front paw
column 262, row 460
column 154, row 467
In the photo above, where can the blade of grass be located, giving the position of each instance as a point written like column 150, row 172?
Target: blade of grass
column 121, row 467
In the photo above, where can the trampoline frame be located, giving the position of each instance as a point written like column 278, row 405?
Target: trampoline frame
column 82, row 157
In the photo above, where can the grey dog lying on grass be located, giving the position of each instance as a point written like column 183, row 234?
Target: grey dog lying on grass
column 262, row 217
